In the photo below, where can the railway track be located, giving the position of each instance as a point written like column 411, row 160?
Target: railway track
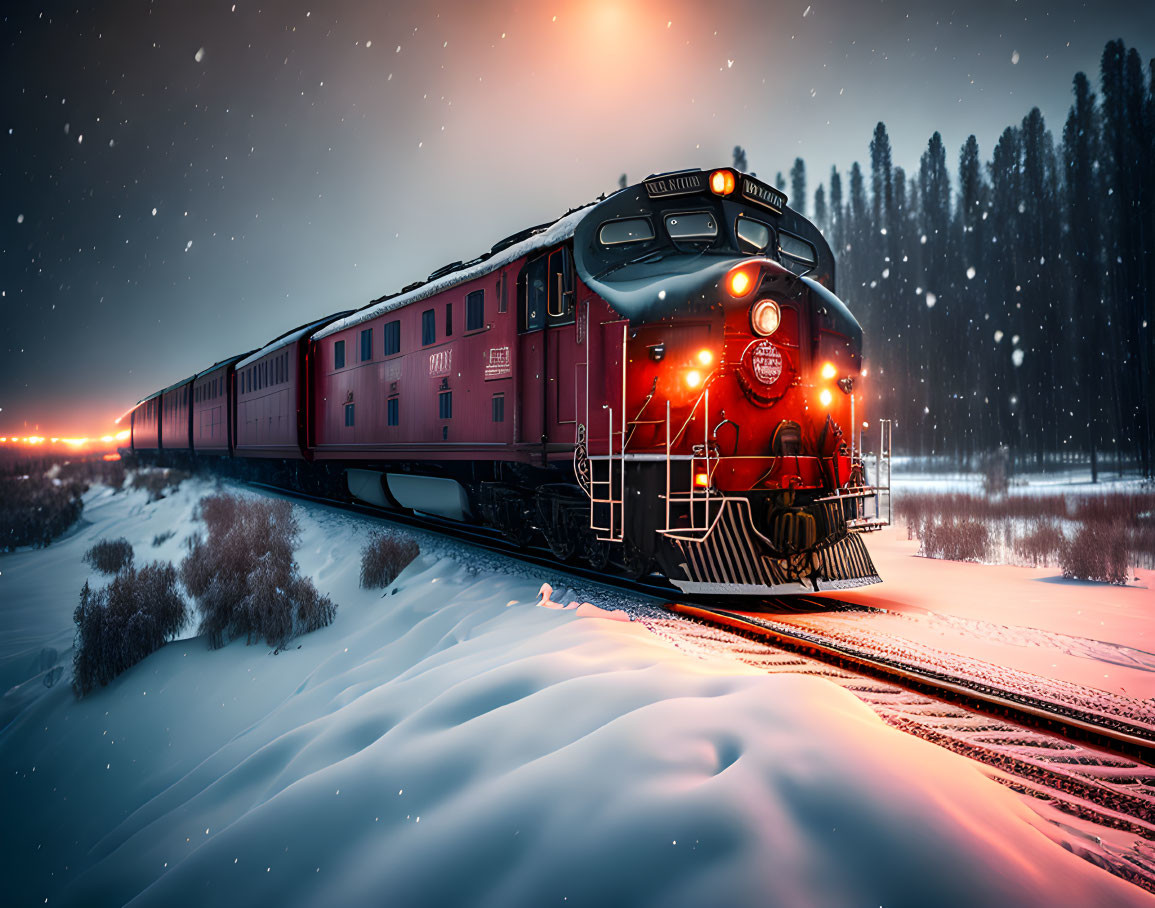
column 1086, row 757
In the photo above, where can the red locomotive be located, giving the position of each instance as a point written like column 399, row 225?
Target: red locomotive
column 658, row 381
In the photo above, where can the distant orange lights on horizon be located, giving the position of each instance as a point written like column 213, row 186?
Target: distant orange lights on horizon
column 69, row 443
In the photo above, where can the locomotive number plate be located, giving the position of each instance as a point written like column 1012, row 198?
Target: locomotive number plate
column 766, row 362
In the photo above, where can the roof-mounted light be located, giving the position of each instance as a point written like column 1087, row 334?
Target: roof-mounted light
column 722, row 182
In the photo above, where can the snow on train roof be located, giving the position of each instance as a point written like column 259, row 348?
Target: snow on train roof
column 288, row 338
column 223, row 362
column 561, row 229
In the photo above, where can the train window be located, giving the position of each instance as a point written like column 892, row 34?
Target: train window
column 339, row 355
column 366, row 344
column 445, row 405
column 392, row 334
column 475, row 311
column 448, row 319
column 501, row 291
column 499, row 408
column 531, row 294
column 349, row 414
column 628, row 230
column 754, row 234
column 391, row 412
column 428, row 327
column 692, row 225
column 797, row 248
column 560, row 299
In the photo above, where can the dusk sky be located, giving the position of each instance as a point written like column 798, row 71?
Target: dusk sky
column 183, row 181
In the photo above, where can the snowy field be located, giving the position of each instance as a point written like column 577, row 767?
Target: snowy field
column 450, row 742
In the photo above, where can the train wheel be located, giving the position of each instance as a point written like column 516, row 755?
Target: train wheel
column 636, row 562
column 595, row 552
column 562, row 544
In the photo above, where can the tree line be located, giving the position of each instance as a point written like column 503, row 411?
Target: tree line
column 1008, row 303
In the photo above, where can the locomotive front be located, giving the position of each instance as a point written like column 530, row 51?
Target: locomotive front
column 732, row 467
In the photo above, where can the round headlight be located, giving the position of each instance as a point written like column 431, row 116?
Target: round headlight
column 765, row 317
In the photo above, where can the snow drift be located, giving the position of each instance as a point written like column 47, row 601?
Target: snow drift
column 447, row 742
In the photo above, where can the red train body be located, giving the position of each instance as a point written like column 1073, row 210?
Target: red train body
column 655, row 380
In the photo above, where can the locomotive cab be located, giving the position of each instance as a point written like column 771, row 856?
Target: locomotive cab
column 738, row 399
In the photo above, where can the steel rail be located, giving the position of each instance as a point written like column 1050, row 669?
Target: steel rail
column 1120, row 737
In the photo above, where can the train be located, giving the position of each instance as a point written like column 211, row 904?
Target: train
column 660, row 382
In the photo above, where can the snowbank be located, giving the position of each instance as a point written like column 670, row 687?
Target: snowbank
column 450, row 742
column 1092, row 634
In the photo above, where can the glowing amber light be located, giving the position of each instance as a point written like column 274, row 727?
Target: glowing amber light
column 701, row 479
column 693, row 378
column 722, row 182
column 826, row 397
column 828, row 371
column 705, row 357
column 740, row 282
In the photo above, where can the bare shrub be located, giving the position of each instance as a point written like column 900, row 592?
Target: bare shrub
column 161, row 538
column 955, row 540
column 384, row 557
column 118, row 626
column 1098, row 552
column 109, row 555
column 35, row 509
column 243, row 575
column 157, row 481
column 1042, row 544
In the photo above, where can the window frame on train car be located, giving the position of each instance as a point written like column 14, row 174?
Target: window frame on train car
column 392, row 337
column 560, row 304
column 445, row 404
column 449, row 319
column 339, row 354
column 531, row 313
column 811, row 262
column 350, row 415
column 498, row 407
column 393, row 411
column 708, row 238
column 428, row 327
column 615, row 223
column 366, row 339
column 743, row 218
column 475, row 310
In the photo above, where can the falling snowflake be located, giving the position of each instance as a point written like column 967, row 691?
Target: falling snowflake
column 1017, row 358
column 188, row 246
column 19, row 219
column 199, row 55
column 1014, row 57
column 931, row 299
column 971, row 273
column 998, row 337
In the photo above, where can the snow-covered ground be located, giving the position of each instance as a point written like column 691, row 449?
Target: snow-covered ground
column 449, row 742
column 1032, row 619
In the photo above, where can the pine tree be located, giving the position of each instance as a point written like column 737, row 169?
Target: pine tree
column 740, row 158
column 1080, row 152
column 820, row 217
column 836, row 214
column 798, row 186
